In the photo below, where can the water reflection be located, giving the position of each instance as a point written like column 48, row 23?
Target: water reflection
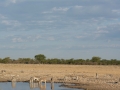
column 13, row 83
column 32, row 86
column 37, row 85
column 43, row 87
column 52, row 86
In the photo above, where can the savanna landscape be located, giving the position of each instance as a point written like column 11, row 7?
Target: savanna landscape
column 89, row 74
column 81, row 39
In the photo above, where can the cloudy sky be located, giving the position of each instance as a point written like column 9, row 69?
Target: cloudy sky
column 60, row 28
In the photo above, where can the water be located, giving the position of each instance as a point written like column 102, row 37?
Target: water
column 27, row 86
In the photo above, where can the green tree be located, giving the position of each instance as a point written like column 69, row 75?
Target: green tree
column 0, row 60
column 40, row 57
column 95, row 59
column 6, row 60
column 113, row 61
column 103, row 62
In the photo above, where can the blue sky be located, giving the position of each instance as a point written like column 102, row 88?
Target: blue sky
column 60, row 28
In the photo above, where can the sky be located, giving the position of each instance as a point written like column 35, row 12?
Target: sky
column 64, row 29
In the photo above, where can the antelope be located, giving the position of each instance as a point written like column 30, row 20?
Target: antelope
column 42, row 79
column 70, row 77
column 75, row 78
column 66, row 78
column 32, row 79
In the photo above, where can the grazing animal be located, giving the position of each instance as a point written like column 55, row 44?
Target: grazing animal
column 34, row 79
column 75, row 78
column 66, row 78
column 70, row 78
column 42, row 79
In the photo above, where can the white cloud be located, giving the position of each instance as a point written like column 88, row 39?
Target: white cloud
column 57, row 9
column 11, row 22
column 99, row 33
column 2, row 17
column 78, row 7
column 6, row 22
column 101, row 30
column 116, row 11
column 42, row 22
column 45, row 12
column 23, row 38
column 17, row 40
column 91, row 11
column 79, row 37
column 60, row 9
column 8, row 2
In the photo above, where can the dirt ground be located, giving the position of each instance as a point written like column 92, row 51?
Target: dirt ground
column 92, row 77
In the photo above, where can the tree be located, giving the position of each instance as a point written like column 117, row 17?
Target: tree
column 0, row 60
column 95, row 59
column 113, row 61
column 6, row 60
column 40, row 57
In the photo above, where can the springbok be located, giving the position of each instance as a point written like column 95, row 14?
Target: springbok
column 66, row 78
column 34, row 79
column 70, row 78
column 75, row 78
column 42, row 79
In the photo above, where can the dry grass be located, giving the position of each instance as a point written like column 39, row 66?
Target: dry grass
column 58, row 70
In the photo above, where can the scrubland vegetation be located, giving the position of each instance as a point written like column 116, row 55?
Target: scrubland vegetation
column 41, row 59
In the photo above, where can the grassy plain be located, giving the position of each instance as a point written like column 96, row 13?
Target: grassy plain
column 58, row 70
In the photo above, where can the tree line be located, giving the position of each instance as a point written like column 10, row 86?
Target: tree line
column 41, row 59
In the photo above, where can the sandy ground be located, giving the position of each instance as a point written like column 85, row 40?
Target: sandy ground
column 108, row 77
